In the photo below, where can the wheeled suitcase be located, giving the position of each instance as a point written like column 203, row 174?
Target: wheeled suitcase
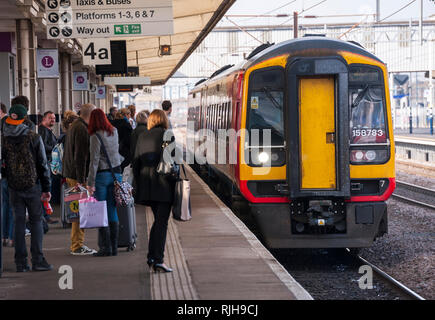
column 127, row 227
column 63, row 217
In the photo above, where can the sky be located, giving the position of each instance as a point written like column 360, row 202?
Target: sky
column 327, row 7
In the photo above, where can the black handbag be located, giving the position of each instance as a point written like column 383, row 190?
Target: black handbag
column 168, row 169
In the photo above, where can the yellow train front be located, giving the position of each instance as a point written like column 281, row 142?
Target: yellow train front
column 314, row 149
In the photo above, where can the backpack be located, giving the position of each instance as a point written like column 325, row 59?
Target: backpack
column 20, row 164
column 56, row 159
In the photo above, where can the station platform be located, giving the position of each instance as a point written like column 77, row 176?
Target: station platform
column 214, row 257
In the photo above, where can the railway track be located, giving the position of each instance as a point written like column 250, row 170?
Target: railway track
column 390, row 280
column 414, row 194
column 332, row 274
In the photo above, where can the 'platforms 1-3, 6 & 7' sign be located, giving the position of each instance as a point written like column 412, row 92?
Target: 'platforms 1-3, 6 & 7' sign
column 108, row 18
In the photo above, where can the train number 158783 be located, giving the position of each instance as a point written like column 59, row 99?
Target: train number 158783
column 367, row 132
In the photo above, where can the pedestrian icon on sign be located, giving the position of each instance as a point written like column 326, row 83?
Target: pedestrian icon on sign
column 53, row 17
column 67, row 31
column 52, row 4
column 54, row 32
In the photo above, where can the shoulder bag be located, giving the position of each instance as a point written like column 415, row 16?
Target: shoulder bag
column 169, row 169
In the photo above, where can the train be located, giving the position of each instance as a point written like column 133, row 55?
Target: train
column 322, row 165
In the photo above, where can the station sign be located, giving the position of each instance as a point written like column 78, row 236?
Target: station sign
column 101, row 92
column 47, row 63
column 96, row 51
column 80, row 81
column 108, row 18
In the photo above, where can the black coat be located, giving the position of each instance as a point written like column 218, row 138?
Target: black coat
column 124, row 134
column 148, row 185
column 141, row 128
column 49, row 140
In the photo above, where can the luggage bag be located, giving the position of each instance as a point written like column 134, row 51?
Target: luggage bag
column 127, row 227
column 63, row 211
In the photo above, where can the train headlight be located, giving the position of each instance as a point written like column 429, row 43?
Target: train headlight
column 263, row 157
column 369, row 156
column 359, row 155
column 273, row 157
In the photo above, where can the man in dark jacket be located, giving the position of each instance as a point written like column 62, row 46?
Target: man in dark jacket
column 75, row 166
column 25, row 164
column 45, row 129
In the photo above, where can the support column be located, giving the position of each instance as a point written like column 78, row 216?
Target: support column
column 26, row 44
column 65, row 82
column 50, row 90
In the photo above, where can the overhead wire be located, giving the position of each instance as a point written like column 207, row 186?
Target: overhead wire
column 268, row 12
column 397, row 11
column 313, row 6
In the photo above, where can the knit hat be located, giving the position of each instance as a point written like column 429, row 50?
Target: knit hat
column 16, row 114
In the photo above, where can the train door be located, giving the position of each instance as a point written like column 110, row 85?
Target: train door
column 317, row 128
column 317, row 133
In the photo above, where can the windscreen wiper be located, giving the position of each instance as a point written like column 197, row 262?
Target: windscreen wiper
column 359, row 97
column 271, row 98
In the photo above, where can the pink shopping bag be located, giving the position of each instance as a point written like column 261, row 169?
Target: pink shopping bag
column 93, row 213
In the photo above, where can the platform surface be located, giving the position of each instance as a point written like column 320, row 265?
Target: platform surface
column 214, row 257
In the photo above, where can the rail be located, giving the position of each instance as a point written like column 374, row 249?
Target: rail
column 400, row 286
column 417, row 189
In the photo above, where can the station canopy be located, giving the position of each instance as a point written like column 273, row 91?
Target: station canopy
column 193, row 20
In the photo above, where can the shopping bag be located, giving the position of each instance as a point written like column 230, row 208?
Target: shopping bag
column 181, row 209
column 93, row 213
column 71, row 202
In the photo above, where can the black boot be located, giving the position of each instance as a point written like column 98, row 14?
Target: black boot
column 104, row 243
column 114, row 234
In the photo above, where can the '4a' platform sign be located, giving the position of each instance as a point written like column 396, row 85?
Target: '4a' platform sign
column 96, row 51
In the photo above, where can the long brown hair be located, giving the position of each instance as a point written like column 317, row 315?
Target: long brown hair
column 158, row 118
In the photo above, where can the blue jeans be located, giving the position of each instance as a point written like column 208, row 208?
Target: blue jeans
column 104, row 191
column 8, row 217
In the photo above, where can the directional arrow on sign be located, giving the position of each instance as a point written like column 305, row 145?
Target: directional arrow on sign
column 53, row 17
column 52, row 4
column 54, row 32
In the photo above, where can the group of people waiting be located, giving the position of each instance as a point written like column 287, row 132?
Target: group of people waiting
column 130, row 140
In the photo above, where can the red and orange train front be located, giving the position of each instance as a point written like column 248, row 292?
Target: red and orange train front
column 315, row 154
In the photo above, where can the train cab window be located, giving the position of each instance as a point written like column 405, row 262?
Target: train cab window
column 265, row 112
column 366, row 100
column 368, row 126
column 265, row 103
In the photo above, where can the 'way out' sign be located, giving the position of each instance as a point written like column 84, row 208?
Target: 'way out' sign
column 108, row 18
column 96, row 51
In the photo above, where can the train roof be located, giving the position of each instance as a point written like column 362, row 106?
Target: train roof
column 314, row 45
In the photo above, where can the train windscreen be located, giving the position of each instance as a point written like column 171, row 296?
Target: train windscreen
column 367, row 104
column 265, row 104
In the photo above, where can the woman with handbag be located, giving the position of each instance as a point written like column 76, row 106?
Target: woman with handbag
column 104, row 168
column 153, row 189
